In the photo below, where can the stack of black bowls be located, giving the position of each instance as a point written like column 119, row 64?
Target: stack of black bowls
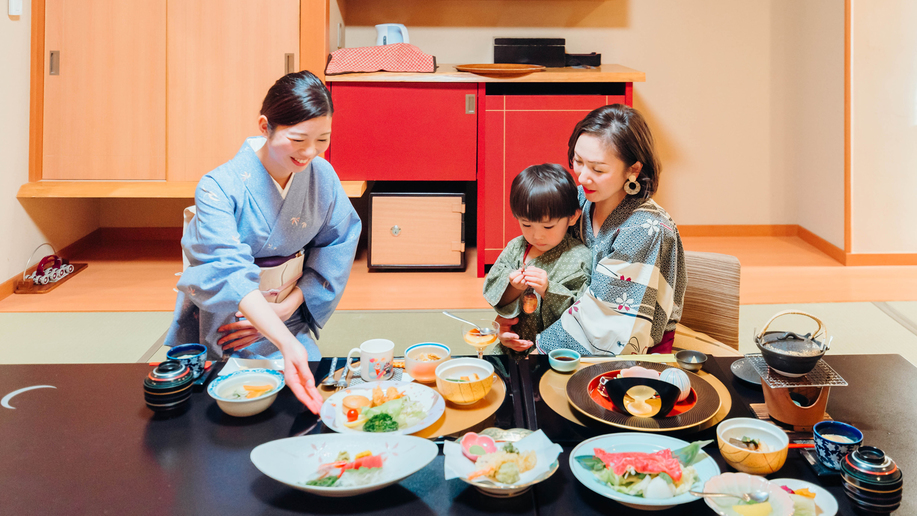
column 872, row 480
column 168, row 387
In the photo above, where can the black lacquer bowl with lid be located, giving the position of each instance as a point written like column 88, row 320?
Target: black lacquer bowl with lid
column 872, row 480
column 168, row 386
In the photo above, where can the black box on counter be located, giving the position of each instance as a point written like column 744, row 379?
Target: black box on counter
column 592, row 59
column 538, row 51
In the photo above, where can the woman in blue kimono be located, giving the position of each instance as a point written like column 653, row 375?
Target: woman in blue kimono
column 276, row 203
column 638, row 281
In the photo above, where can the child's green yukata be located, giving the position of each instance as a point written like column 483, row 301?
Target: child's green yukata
column 568, row 266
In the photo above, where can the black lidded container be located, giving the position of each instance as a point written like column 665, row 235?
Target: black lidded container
column 537, row 51
column 872, row 481
column 168, row 386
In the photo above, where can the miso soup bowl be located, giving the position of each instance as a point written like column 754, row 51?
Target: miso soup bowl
column 455, row 380
column 221, row 388
column 749, row 461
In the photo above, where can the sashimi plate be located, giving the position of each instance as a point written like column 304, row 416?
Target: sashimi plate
column 638, row 442
column 295, row 460
column 333, row 415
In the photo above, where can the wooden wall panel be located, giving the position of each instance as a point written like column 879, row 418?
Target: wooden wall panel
column 104, row 114
column 223, row 57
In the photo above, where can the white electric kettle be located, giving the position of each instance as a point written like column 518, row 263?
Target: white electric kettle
column 388, row 33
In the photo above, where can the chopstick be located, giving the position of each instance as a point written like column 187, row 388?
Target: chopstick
column 801, row 445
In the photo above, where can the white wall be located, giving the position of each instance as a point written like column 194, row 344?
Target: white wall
column 707, row 97
column 884, row 128
column 807, row 119
column 23, row 226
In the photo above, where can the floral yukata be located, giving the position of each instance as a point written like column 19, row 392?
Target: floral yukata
column 638, row 284
column 567, row 265
column 241, row 216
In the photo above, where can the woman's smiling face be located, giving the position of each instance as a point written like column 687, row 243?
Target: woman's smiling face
column 599, row 170
column 290, row 148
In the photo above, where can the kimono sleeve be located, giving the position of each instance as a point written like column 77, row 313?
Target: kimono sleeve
column 497, row 281
column 569, row 286
column 221, row 268
column 635, row 290
column 329, row 259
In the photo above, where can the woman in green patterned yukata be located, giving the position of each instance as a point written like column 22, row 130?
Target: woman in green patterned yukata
column 637, row 289
column 545, row 260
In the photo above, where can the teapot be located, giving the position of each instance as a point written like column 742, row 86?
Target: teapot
column 388, row 33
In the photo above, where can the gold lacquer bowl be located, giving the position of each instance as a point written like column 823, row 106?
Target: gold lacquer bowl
column 748, row 461
column 464, row 381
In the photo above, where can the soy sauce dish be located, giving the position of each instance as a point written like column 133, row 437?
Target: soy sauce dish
column 564, row 360
column 247, row 392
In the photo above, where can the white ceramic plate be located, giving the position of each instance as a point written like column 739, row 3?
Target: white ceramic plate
column 238, row 364
column 827, row 504
column 637, row 442
column 295, row 460
column 333, row 416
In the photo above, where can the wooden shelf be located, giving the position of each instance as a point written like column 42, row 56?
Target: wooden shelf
column 448, row 73
column 132, row 189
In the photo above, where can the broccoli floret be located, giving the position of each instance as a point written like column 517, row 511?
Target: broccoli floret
column 380, row 423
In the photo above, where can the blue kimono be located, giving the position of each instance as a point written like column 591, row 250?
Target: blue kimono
column 242, row 216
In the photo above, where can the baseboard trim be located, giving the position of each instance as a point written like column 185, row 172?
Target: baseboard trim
column 738, row 230
column 863, row 259
column 822, row 245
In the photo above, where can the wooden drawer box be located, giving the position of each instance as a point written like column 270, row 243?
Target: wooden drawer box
column 416, row 231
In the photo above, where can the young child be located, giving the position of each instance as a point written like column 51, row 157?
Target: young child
column 545, row 260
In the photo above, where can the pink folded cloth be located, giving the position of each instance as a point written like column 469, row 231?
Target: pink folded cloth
column 397, row 57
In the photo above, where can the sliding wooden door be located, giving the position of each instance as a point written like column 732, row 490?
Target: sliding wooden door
column 104, row 89
column 223, row 56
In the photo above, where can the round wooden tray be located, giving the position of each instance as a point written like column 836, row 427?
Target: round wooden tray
column 553, row 389
column 500, row 68
column 456, row 418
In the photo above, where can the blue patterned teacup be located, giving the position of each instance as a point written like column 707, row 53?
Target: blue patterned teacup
column 192, row 355
column 834, row 440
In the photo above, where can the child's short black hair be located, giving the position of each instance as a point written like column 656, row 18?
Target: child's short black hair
column 543, row 192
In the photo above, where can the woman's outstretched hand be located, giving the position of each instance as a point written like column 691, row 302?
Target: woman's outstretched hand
column 299, row 377
column 510, row 339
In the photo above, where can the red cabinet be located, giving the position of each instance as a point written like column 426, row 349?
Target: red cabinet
column 519, row 131
column 404, row 131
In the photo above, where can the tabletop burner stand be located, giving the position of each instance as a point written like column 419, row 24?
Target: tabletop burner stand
column 796, row 403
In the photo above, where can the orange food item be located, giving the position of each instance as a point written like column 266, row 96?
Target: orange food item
column 257, row 390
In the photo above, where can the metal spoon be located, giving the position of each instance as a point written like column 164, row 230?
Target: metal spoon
column 329, row 380
column 754, row 496
column 484, row 331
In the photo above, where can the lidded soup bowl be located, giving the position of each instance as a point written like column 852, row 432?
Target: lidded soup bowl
column 872, row 480
column 168, row 386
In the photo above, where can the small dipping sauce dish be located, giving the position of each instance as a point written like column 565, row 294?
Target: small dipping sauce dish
column 690, row 360
column 564, row 360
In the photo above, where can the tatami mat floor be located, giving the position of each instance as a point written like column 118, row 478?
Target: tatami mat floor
column 67, row 337
column 119, row 308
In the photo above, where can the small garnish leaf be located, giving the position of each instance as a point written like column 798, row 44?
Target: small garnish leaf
column 665, row 476
column 691, row 453
column 477, row 450
column 590, row 462
column 509, row 448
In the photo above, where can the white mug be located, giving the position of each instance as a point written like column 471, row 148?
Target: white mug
column 376, row 357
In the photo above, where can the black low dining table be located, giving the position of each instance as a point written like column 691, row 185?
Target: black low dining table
column 85, row 443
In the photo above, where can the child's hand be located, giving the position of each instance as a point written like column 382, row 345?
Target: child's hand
column 517, row 281
column 537, row 279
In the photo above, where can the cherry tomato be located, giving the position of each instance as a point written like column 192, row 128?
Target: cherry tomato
column 352, row 415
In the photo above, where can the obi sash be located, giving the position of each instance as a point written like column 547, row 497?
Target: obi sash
column 279, row 275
